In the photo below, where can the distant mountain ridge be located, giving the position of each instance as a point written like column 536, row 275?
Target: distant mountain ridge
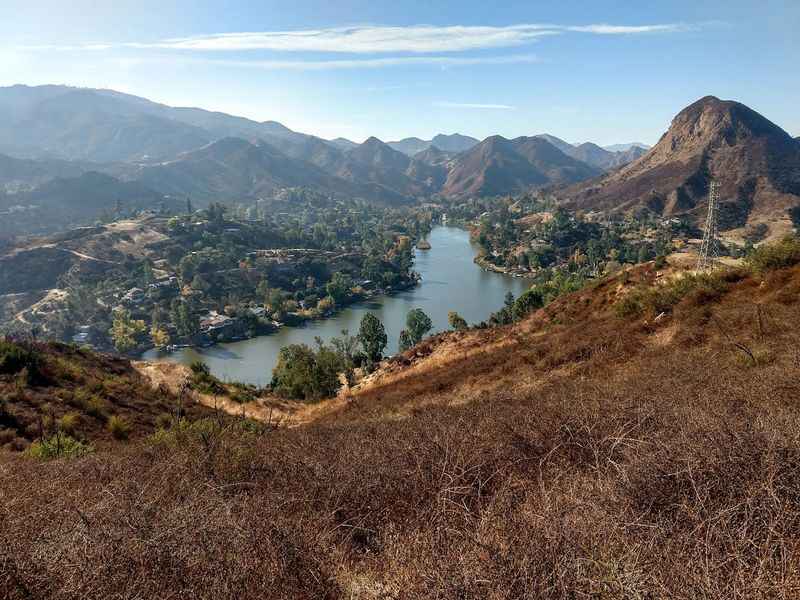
column 501, row 166
column 57, row 133
column 448, row 143
column 597, row 156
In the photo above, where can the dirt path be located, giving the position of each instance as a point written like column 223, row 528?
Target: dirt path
column 53, row 295
column 267, row 409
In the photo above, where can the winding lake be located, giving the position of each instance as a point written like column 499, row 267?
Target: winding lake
column 450, row 281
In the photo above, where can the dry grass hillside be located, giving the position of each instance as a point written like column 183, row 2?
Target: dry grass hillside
column 48, row 388
column 637, row 439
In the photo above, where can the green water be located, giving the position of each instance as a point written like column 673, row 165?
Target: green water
column 450, row 281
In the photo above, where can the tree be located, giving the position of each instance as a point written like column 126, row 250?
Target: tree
column 186, row 323
column 456, row 321
column 529, row 301
column 304, row 373
column 159, row 336
column 294, row 370
column 339, row 286
column 200, row 283
column 345, row 348
column 126, row 331
column 418, row 324
column 147, row 273
column 405, row 341
column 372, row 336
column 158, row 333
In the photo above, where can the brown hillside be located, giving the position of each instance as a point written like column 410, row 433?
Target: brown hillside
column 579, row 453
column 54, row 380
column 499, row 166
column 755, row 161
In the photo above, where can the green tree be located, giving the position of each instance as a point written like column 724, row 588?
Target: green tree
column 372, row 336
column 125, row 331
column 418, row 324
column 200, row 283
column 147, row 273
column 339, row 286
column 527, row 302
column 305, row 373
column 405, row 341
column 456, row 321
column 185, row 321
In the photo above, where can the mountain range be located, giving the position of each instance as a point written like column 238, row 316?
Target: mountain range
column 55, row 135
column 53, row 132
column 448, row 143
column 756, row 163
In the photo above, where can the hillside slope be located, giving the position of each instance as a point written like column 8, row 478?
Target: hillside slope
column 586, row 451
column 42, row 383
column 754, row 160
column 499, row 166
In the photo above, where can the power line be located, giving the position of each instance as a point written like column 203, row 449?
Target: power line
column 709, row 250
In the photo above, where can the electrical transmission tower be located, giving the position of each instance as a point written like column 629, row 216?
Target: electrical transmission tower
column 709, row 250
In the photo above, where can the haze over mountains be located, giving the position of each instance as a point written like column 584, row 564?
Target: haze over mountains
column 51, row 132
column 53, row 135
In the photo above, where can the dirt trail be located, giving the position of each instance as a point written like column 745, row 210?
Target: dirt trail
column 267, row 409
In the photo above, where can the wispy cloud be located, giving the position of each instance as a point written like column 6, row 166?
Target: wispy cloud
column 474, row 106
column 419, row 39
column 605, row 29
column 367, row 63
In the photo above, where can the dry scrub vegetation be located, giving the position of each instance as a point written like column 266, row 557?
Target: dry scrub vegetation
column 577, row 454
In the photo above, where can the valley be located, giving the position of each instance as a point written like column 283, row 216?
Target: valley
column 241, row 361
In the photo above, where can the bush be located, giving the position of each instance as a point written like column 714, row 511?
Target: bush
column 58, row 446
column 203, row 381
column 305, row 374
column 69, row 423
column 702, row 288
column 15, row 357
column 164, row 421
column 94, row 406
column 118, row 427
column 767, row 257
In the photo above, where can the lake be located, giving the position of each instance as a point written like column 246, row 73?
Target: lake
column 450, row 281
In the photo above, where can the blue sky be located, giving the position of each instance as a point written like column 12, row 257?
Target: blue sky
column 582, row 70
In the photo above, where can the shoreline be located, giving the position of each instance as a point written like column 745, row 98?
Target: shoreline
column 488, row 266
column 298, row 324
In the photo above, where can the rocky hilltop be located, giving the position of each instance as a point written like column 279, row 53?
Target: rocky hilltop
column 756, row 162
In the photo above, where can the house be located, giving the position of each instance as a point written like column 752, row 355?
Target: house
column 80, row 338
column 214, row 321
column 259, row 311
column 133, row 296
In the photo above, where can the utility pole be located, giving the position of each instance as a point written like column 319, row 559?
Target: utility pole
column 709, row 250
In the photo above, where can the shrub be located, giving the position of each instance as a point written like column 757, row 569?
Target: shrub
column 15, row 357
column 203, row 381
column 94, row 406
column 702, row 288
column 456, row 321
column 69, row 423
column 632, row 305
column 7, row 435
column 118, row 427
column 164, row 421
column 58, row 446
column 767, row 257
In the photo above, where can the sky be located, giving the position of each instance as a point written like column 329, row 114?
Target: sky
column 599, row 70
